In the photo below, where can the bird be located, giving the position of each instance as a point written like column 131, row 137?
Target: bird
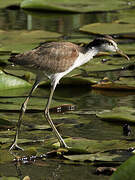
column 53, row 60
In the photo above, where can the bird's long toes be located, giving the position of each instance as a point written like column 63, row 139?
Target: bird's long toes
column 15, row 146
column 64, row 145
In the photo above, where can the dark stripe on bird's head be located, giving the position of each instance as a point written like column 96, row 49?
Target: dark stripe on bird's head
column 102, row 39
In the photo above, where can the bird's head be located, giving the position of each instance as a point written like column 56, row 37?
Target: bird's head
column 107, row 43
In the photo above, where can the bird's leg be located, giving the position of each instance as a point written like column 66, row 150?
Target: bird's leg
column 22, row 111
column 47, row 116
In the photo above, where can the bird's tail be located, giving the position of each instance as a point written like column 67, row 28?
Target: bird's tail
column 12, row 58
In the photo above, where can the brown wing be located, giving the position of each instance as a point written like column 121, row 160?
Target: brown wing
column 51, row 57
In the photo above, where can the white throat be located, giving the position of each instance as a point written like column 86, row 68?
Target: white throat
column 84, row 58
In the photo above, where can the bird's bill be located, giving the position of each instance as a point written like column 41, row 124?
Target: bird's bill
column 122, row 54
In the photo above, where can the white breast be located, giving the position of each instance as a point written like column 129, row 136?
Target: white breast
column 82, row 59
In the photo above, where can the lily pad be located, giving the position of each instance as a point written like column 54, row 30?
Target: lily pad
column 74, row 6
column 28, row 39
column 106, row 157
column 32, row 151
column 118, row 114
column 5, row 156
column 76, row 81
column 9, row 178
column 82, row 145
column 125, row 171
column 96, row 64
column 36, row 104
column 10, row 82
column 126, row 83
column 7, row 3
column 128, row 48
column 126, row 16
column 40, row 127
column 22, row 141
column 108, row 28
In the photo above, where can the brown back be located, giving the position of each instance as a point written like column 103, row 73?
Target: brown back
column 52, row 57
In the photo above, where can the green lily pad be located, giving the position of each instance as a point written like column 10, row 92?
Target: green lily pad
column 36, row 103
column 106, row 157
column 7, row 3
column 125, row 171
column 76, row 81
column 82, row 145
column 9, row 178
column 5, row 156
column 40, row 127
column 21, row 141
column 108, row 28
column 128, row 48
column 32, row 151
column 126, row 16
column 96, row 64
column 9, row 82
column 118, row 114
column 74, row 6
column 28, row 39
column 124, row 83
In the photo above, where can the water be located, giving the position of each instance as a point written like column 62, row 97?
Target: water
column 62, row 23
column 85, row 99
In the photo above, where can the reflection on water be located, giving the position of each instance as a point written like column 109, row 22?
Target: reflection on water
column 62, row 23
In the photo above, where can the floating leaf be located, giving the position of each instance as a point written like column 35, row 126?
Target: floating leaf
column 125, row 171
column 9, row 140
column 82, row 145
column 126, row 47
column 5, row 156
column 28, row 39
column 9, row 178
column 40, row 127
column 118, row 114
column 76, row 81
column 36, row 104
column 127, row 16
column 28, row 152
column 7, row 3
column 107, row 157
column 108, row 28
column 74, row 6
column 121, row 84
column 10, row 82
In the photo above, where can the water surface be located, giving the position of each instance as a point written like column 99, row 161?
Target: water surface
column 85, row 99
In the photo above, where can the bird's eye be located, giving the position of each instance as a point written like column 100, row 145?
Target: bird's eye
column 110, row 43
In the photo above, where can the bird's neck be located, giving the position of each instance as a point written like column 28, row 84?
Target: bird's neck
column 91, row 52
column 86, row 56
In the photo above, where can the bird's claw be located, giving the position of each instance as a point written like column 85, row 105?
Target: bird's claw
column 64, row 145
column 15, row 146
column 67, row 147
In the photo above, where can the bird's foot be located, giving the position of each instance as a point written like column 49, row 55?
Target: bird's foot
column 67, row 147
column 15, row 146
column 64, row 145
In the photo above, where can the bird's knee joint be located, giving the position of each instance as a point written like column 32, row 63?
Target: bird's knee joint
column 23, row 108
column 46, row 112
